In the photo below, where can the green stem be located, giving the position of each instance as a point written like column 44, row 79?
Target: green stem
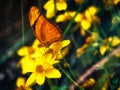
column 22, row 17
column 72, row 73
column 112, row 8
column 68, row 66
column 55, row 7
column 105, row 69
column 74, row 41
column 68, row 76
column 50, row 83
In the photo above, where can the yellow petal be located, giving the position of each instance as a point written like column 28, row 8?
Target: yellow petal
column 115, row 41
column 116, row 1
column 50, row 12
column 27, row 69
column 82, row 32
column 20, row 82
column 23, row 51
column 31, row 79
column 92, row 10
column 103, row 49
column 63, row 52
column 48, row 4
column 36, row 43
column 52, row 73
column 57, row 46
column 88, row 15
column 72, row 14
column 40, row 79
column 61, row 5
column 85, row 24
column 65, row 43
column 50, row 59
column 118, row 88
column 61, row 18
column 68, row 15
column 78, row 18
column 81, row 50
column 27, row 64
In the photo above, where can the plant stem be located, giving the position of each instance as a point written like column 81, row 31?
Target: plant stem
column 106, row 72
column 68, row 76
column 22, row 18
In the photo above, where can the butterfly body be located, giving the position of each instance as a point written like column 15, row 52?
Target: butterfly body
column 45, row 32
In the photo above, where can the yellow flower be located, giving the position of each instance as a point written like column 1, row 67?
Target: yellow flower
column 26, row 63
column 21, row 84
column 68, row 15
column 89, row 83
column 63, row 17
column 115, row 41
column 63, row 52
column 91, row 11
column 40, row 69
column 82, row 32
column 85, row 24
column 81, row 50
column 109, row 2
column 36, row 43
column 25, row 50
column 85, row 19
column 94, row 37
column 111, row 41
column 33, row 51
column 118, row 88
column 103, row 49
column 88, row 41
column 40, row 62
column 58, row 46
column 28, row 50
column 105, row 86
column 116, row 1
column 89, row 17
column 30, row 53
column 49, row 6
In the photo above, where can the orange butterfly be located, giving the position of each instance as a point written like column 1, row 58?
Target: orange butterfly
column 44, row 31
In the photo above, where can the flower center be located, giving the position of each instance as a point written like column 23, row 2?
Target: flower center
column 39, row 68
column 31, row 50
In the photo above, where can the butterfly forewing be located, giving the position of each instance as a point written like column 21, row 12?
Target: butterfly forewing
column 44, row 31
column 33, row 15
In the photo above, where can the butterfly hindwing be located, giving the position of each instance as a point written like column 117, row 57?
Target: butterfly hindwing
column 51, row 32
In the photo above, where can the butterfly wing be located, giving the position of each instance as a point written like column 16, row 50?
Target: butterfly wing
column 44, row 31
column 33, row 15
